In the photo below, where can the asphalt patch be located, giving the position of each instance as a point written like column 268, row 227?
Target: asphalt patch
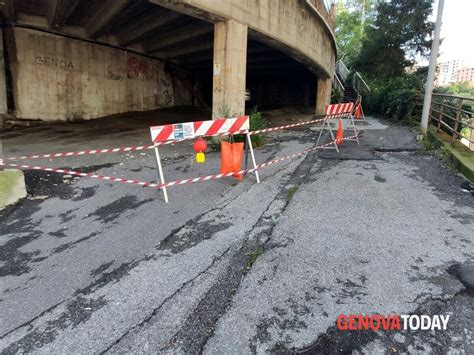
column 113, row 210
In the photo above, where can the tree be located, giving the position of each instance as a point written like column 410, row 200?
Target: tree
column 352, row 17
column 401, row 31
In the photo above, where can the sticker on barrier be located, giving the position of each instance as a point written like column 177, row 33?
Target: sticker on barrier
column 189, row 130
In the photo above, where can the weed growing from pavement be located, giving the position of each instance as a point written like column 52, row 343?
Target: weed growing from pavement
column 427, row 145
column 257, row 122
column 441, row 152
column 253, row 257
column 290, row 192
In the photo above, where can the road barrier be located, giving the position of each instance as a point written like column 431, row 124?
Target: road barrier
column 343, row 110
column 175, row 133
column 191, row 130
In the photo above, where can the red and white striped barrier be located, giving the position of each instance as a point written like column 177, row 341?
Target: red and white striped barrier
column 335, row 110
column 339, row 109
column 190, row 130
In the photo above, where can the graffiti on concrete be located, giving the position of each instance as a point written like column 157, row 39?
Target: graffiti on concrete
column 54, row 62
column 142, row 69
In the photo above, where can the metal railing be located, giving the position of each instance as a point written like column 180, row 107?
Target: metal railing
column 359, row 84
column 342, row 70
column 337, row 84
column 455, row 116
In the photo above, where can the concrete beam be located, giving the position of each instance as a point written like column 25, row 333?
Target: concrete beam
column 147, row 24
column 59, row 11
column 7, row 9
column 269, row 59
column 3, row 82
column 261, row 49
column 272, row 66
column 289, row 26
column 185, row 50
column 101, row 18
column 200, row 58
column 174, row 37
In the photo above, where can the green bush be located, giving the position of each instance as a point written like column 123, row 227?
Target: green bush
column 257, row 122
column 394, row 98
column 336, row 95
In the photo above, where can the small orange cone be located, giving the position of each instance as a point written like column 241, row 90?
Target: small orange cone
column 340, row 133
column 358, row 112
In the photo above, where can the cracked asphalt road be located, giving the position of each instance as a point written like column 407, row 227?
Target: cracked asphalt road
column 235, row 267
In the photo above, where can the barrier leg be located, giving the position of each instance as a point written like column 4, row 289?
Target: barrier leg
column 321, row 131
column 249, row 142
column 330, row 132
column 356, row 131
column 160, row 170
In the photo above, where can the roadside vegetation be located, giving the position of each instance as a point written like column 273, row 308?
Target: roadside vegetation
column 290, row 192
column 382, row 40
column 257, row 122
column 460, row 89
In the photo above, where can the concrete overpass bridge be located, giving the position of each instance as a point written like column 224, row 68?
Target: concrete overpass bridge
column 84, row 59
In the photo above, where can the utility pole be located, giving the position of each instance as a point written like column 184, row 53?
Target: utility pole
column 3, row 94
column 431, row 71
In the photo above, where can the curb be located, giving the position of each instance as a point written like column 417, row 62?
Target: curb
column 455, row 156
column 12, row 187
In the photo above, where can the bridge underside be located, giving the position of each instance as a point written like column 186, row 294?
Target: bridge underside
column 71, row 59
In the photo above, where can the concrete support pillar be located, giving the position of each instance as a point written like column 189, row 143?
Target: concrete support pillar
column 3, row 83
column 3, row 92
column 230, row 67
column 323, row 95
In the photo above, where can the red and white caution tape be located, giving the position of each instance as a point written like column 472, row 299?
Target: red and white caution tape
column 84, row 152
column 172, row 183
column 151, row 146
column 78, row 173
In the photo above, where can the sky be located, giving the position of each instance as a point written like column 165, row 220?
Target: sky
column 456, row 31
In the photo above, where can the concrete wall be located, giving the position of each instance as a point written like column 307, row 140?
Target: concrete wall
column 59, row 78
column 290, row 25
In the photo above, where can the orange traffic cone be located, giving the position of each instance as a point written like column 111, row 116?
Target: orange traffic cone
column 358, row 112
column 340, row 133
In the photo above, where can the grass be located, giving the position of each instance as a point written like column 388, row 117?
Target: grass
column 253, row 257
column 290, row 192
column 427, row 145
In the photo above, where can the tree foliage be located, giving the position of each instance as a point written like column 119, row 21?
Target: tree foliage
column 395, row 98
column 400, row 32
column 352, row 18
column 392, row 36
column 461, row 89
